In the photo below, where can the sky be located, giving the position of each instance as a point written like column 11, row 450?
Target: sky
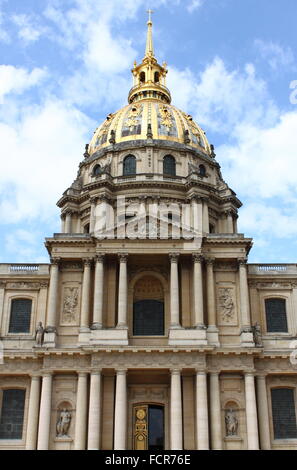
column 66, row 64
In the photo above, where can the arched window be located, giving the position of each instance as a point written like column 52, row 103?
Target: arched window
column 97, row 170
column 276, row 316
column 87, row 228
column 148, row 307
column 129, row 165
column 142, row 77
column 157, row 77
column 283, row 413
column 12, row 414
column 202, row 170
column 20, row 316
column 169, row 165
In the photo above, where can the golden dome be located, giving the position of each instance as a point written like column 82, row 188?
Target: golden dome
column 149, row 118
column 149, row 114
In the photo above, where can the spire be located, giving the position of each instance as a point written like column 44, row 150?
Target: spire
column 149, row 51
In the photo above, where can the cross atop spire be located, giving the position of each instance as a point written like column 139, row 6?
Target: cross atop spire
column 149, row 51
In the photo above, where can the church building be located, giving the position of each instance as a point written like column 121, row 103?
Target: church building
column 148, row 329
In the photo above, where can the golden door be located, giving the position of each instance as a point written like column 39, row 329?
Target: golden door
column 140, row 427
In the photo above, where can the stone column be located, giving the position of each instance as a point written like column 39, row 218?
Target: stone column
column 244, row 295
column 85, row 297
column 198, row 292
column 235, row 224
column 95, row 411
column 215, row 412
column 93, row 202
column 123, row 291
column 52, row 296
column 98, row 293
column 174, row 291
column 230, row 226
column 211, row 299
column 45, row 412
column 251, row 412
column 205, row 216
column 68, row 222
column 120, row 414
column 33, row 413
column 176, row 421
column 81, row 412
column 62, row 223
column 263, row 413
column 196, row 206
column 202, row 411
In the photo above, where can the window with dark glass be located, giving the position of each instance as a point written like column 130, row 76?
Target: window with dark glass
column 129, row 167
column 97, row 170
column 12, row 414
column 20, row 316
column 202, row 170
column 142, row 77
column 157, row 77
column 156, row 427
column 148, row 318
column 283, row 413
column 169, row 165
column 276, row 316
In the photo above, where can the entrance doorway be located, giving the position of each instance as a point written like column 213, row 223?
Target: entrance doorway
column 148, row 427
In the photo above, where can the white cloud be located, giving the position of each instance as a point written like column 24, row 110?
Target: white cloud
column 42, row 156
column 4, row 36
column 265, row 159
column 194, row 5
column 220, row 99
column 24, row 245
column 17, row 79
column 276, row 55
column 29, row 28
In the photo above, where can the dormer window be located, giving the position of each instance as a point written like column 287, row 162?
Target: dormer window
column 202, row 171
column 129, row 165
column 169, row 165
column 97, row 170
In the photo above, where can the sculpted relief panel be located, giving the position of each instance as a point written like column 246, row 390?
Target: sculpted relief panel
column 70, row 304
column 226, row 305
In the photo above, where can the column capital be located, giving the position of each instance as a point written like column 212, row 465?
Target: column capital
column 47, row 373
column 242, row 262
column 121, row 371
column 201, row 372
column 87, row 261
column 96, row 372
column 210, row 261
column 175, row 371
column 214, row 373
column 195, row 198
column 123, row 257
column 35, row 376
column 99, row 257
column 250, row 373
column 197, row 258
column 55, row 261
column 82, row 373
column 173, row 257
column 93, row 200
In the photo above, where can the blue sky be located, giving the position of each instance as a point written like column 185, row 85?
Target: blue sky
column 65, row 64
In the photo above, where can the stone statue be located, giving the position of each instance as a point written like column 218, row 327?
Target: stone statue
column 39, row 334
column 231, row 423
column 63, row 423
column 256, row 329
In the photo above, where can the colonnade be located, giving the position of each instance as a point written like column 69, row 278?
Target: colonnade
column 197, row 216
column 200, row 319
column 87, row 428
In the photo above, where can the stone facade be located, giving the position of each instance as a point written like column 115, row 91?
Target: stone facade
column 96, row 371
